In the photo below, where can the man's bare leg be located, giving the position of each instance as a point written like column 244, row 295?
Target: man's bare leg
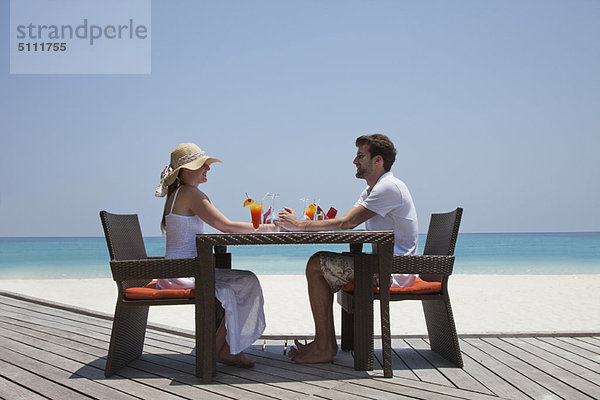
column 324, row 347
column 300, row 347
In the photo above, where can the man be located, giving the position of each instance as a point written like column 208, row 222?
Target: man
column 385, row 204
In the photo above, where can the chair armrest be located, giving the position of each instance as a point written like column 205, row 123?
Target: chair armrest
column 422, row 264
column 155, row 268
column 222, row 260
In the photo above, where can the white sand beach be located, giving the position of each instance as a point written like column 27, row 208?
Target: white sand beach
column 481, row 303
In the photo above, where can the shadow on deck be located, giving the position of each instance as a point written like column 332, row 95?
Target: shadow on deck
column 50, row 350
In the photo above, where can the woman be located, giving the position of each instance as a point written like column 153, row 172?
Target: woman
column 186, row 211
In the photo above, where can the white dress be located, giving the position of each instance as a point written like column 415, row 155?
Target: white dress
column 238, row 291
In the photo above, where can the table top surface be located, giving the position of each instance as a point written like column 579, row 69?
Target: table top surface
column 349, row 236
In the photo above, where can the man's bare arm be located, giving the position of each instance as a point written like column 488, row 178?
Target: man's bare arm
column 354, row 217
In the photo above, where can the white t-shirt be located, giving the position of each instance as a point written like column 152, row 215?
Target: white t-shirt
column 395, row 211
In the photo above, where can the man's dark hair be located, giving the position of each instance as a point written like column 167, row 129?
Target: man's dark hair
column 379, row 145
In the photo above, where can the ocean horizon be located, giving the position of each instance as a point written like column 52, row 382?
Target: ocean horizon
column 544, row 253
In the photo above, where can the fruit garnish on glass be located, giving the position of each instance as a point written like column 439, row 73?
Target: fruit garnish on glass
column 248, row 200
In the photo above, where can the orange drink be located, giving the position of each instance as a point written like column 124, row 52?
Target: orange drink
column 256, row 213
column 309, row 212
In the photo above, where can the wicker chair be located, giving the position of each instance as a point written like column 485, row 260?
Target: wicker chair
column 132, row 268
column 435, row 265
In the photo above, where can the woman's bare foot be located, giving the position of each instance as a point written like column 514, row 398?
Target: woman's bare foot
column 237, row 360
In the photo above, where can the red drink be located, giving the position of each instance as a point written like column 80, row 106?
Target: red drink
column 256, row 212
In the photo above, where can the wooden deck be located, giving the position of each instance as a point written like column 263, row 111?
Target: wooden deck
column 48, row 350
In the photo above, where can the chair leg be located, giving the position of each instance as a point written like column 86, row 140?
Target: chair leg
column 443, row 338
column 127, row 337
column 347, row 330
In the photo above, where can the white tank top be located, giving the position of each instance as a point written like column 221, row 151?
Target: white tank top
column 181, row 233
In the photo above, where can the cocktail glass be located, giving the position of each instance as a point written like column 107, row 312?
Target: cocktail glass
column 310, row 212
column 273, row 211
column 304, row 200
column 256, row 213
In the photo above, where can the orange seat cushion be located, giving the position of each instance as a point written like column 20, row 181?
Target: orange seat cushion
column 150, row 292
column 420, row 287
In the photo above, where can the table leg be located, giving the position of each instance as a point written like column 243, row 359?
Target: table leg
column 222, row 257
column 206, row 357
column 363, row 312
column 385, row 254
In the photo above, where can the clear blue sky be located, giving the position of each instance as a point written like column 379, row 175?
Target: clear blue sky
column 493, row 105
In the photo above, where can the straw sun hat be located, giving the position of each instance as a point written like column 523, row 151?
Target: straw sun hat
column 185, row 155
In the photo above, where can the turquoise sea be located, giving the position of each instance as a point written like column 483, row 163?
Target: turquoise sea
column 476, row 253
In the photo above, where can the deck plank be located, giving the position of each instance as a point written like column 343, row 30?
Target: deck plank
column 100, row 325
column 485, row 374
column 459, row 377
column 374, row 379
column 58, row 343
column 316, row 380
column 569, row 386
column 591, row 341
column 80, row 332
column 584, row 365
column 29, row 359
column 571, row 352
column 61, row 330
column 534, row 382
column 572, row 373
column 37, row 383
column 398, row 365
column 419, row 365
column 590, row 350
column 182, row 373
column 143, row 376
column 50, row 350
column 498, row 368
column 13, row 391
column 92, row 367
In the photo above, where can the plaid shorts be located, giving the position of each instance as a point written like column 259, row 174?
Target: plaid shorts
column 337, row 269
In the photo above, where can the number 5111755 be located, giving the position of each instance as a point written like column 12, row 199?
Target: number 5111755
column 42, row 46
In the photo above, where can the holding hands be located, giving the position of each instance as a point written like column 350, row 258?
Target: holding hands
column 316, row 220
column 287, row 220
